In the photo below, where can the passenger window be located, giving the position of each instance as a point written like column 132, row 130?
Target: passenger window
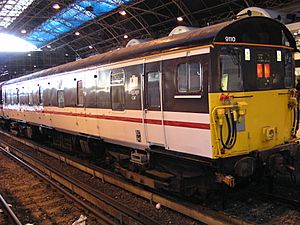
column 40, row 95
column 189, row 77
column 17, row 97
column 30, row 98
column 61, row 99
column 79, row 93
column 11, row 102
column 36, row 96
column 153, row 90
column 5, row 97
column 117, row 81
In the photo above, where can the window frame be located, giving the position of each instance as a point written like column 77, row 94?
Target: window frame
column 30, row 98
column 58, row 93
column 118, row 85
column 17, row 96
column 277, row 69
column 39, row 93
column 289, row 55
column 239, row 67
column 189, row 92
column 152, row 107
column 79, row 104
column 5, row 97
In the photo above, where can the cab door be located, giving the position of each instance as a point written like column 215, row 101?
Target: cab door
column 153, row 111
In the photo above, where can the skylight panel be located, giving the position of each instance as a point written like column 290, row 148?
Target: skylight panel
column 72, row 17
column 11, row 10
column 10, row 43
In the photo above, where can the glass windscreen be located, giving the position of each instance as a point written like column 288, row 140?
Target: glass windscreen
column 255, row 68
column 230, row 66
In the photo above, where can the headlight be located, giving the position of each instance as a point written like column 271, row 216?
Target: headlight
column 268, row 133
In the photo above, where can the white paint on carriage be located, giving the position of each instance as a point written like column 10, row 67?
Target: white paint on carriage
column 182, row 130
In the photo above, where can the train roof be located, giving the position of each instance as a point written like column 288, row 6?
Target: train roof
column 255, row 30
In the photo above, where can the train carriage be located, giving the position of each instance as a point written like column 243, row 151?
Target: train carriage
column 212, row 104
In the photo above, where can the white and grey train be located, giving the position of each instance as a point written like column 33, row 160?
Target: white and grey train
column 152, row 110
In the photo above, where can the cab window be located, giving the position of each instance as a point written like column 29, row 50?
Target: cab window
column 230, row 67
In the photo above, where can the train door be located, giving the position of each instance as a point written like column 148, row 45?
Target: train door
column 153, row 110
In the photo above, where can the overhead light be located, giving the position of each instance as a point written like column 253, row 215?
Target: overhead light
column 123, row 12
column 77, row 33
column 48, row 46
column 66, row 54
column 125, row 36
column 23, row 31
column 90, row 47
column 56, row 6
column 295, row 33
column 28, row 54
column 180, row 19
column 34, row 66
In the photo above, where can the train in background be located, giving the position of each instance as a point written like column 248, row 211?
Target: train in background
column 181, row 113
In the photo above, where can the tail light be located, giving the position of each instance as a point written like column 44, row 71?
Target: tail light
column 267, row 70
column 259, row 70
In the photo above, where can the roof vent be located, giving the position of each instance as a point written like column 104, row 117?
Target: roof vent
column 133, row 42
column 180, row 29
column 256, row 11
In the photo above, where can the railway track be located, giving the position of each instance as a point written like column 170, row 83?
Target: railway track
column 277, row 198
column 198, row 213
column 106, row 206
column 10, row 216
column 31, row 198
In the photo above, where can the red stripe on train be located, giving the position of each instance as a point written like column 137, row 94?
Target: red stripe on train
column 203, row 126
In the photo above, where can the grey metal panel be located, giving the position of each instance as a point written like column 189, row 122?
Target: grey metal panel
column 70, row 97
column 90, row 84
column 103, row 90
column 70, row 89
column 23, row 97
column 53, row 92
column 46, row 94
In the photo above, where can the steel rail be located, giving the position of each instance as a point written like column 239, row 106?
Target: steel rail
column 12, row 216
column 121, row 212
column 201, row 214
column 273, row 197
column 102, row 218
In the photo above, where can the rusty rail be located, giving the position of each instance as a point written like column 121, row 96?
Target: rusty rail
column 12, row 216
column 121, row 213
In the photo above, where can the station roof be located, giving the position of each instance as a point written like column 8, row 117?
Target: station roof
column 70, row 18
column 87, row 27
